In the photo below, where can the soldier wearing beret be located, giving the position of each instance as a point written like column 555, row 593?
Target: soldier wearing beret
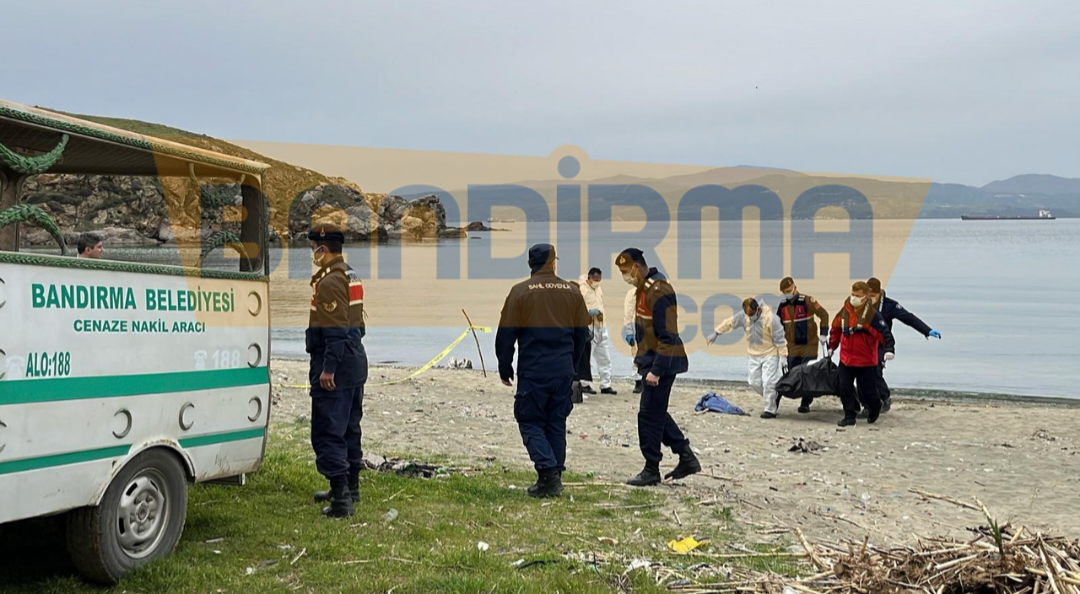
column 338, row 370
column 659, row 358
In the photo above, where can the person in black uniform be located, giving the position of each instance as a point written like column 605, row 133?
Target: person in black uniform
column 797, row 312
column 660, row 356
column 891, row 310
column 546, row 318
column 338, row 370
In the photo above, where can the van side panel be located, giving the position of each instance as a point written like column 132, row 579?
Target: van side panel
column 98, row 365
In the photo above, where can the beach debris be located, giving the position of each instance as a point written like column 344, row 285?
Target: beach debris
column 804, row 446
column 608, row 541
column 390, row 516
column 686, row 545
column 482, row 546
column 412, row 469
column 1044, row 435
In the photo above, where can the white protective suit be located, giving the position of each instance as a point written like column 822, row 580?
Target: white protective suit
column 629, row 321
column 601, row 341
column 766, row 349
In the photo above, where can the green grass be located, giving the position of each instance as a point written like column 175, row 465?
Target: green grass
column 430, row 547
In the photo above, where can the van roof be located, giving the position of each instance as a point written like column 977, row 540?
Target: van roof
column 95, row 148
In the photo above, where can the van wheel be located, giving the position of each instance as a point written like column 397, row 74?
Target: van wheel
column 139, row 519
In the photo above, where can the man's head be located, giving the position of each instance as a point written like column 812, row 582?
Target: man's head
column 631, row 263
column 542, row 256
column 874, row 289
column 326, row 243
column 788, row 288
column 595, row 276
column 859, row 291
column 90, row 246
column 751, row 308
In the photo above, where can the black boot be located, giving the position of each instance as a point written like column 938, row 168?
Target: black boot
column 341, row 503
column 548, row 483
column 847, row 421
column 649, row 476
column 354, row 491
column 872, row 415
column 638, row 387
column 688, row 464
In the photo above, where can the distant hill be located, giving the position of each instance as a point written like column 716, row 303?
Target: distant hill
column 1019, row 195
column 1035, row 183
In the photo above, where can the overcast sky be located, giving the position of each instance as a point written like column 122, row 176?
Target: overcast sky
column 957, row 91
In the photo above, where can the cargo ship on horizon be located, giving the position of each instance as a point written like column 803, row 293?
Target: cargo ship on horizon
column 1044, row 215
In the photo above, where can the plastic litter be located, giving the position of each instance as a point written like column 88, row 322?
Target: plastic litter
column 686, row 545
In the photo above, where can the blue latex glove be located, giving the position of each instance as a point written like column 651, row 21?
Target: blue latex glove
column 628, row 334
column 935, row 334
column 629, row 338
column 594, row 312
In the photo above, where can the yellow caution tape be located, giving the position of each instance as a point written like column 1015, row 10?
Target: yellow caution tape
column 442, row 355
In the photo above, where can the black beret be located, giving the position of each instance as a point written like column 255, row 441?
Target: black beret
column 326, row 232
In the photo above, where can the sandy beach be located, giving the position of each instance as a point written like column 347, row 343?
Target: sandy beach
column 1020, row 459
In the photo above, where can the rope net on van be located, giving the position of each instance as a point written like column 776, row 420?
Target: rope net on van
column 32, row 165
column 29, row 213
column 219, row 239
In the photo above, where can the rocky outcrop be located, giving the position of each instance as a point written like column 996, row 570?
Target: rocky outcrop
column 342, row 205
column 419, row 218
column 126, row 210
column 123, row 210
column 479, row 226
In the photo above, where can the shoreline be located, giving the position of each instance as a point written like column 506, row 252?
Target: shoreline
column 920, row 394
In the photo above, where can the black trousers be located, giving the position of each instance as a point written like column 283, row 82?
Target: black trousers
column 655, row 425
column 541, row 406
column 792, row 363
column 866, row 378
column 335, row 431
column 883, row 388
column 584, row 366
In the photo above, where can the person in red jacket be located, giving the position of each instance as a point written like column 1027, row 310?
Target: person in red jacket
column 859, row 329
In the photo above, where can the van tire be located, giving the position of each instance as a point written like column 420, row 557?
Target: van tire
column 139, row 519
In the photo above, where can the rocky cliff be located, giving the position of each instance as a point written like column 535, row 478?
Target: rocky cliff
column 134, row 210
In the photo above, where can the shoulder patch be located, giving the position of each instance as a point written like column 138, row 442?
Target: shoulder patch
column 900, row 307
column 330, row 306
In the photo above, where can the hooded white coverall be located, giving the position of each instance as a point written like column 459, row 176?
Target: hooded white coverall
column 766, row 348
column 601, row 341
column 629, row 321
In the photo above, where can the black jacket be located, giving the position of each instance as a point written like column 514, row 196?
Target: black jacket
column 546, row 318
column 659, row 348
column 891, row 310
column 336, row 327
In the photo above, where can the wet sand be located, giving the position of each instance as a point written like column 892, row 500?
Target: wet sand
column 1020, row 459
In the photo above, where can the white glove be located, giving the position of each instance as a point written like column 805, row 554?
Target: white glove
column 889, row 356
column 831, row 351
column 824, row 340
column 712, row 337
